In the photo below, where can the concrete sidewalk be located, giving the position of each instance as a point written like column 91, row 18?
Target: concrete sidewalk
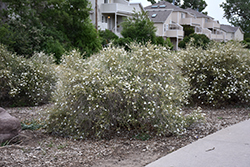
column 229, row 147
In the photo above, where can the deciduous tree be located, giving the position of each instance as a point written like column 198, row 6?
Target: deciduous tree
column 51, row 26
column 199, row 5
column 139, row 28
column 238, row 14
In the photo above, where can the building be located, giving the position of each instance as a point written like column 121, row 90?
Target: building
column 168, row 20
column 232, row 33
column 110, row 13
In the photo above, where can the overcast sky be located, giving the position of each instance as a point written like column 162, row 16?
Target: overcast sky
column 213, row 9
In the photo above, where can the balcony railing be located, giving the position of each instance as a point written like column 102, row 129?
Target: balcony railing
column 212, row 24
column 174, row 30
column 190, row 21
column 116, row 7
column 186, row 21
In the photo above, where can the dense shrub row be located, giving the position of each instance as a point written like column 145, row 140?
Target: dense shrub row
column 140, row 91
column 25, row 81
column 219, row 75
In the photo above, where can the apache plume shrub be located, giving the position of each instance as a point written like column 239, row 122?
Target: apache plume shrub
column 219, row 75
column 115, row 91
column 24, row 81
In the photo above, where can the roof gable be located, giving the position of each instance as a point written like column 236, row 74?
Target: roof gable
column 228, row 28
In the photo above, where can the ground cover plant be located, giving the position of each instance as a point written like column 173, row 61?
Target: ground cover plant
column 25, row 82
column 140, row 91
column 219, row 75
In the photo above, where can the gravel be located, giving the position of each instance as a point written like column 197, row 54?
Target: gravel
column 35, row 148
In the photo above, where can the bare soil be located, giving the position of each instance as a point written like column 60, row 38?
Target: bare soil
column 35, row 148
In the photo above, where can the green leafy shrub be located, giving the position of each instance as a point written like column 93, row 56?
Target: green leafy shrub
column 107, row 36
column 188, row 30
column 219, row 75
column 161, row 41
column 246, row 43
column 199, row 40
column 25, row 81
column 140, row 91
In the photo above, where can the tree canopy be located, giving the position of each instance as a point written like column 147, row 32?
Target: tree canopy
column 139, row 28
column 195, row 4
column 238, row 14
column 52, row 26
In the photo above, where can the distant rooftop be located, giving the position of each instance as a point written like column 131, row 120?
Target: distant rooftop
column 197, row 14
column 228, row 28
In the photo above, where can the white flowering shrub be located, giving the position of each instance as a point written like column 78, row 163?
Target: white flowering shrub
column 219, row 75
column 139, row 91
column 26, row 81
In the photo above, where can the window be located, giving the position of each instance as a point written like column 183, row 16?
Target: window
column 182, row 15
column 154, row 6
column 165, row 27
column 104, row 19
column 154, row 15
column 162, row 6
column 105, row 1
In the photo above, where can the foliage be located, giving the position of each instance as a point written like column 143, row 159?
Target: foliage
column 199, row 40
column 246, row 43
column 25, row 81
column 107, row 36
column 31, row 125
column 160, row 41
column 177, row 2
column 237, row 13
column 194, row 4
column 188, row 30
column 122, row 42
column 139, row 28
column 219, row 75
column 52, row 26
column 140, row 91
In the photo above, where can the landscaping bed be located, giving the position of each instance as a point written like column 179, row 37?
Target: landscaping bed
column 37, row 148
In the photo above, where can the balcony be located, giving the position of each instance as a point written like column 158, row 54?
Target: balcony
column 174, row 30
column 217, row 37
column 190, row 21
column 103, row 26
column 196, row 21
column 212, row 24
column 116, row 8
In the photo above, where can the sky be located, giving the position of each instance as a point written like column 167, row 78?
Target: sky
column 213, row 9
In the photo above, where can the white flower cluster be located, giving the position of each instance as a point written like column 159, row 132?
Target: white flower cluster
column 140, row 90
column 218, row 75
column 26, row 81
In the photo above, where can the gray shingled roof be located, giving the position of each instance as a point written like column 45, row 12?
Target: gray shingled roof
column 168, row 6
column 161, row 15
column 228, row 28
column 197, row 14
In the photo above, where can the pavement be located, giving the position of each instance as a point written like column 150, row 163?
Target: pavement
column 229, row 147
